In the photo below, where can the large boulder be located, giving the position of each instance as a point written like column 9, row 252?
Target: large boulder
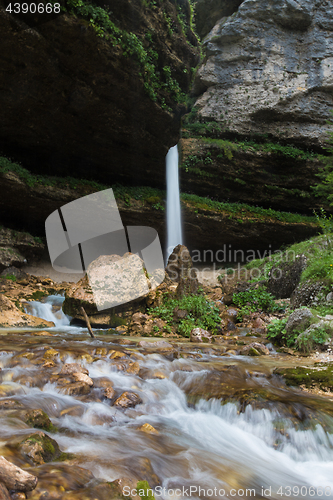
column 298, row 320
column 285, row 277
column 109, row 278
column 268, row 70
column 181, row 271
column 309, row 293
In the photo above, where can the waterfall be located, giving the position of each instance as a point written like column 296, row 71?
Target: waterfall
column 174, row 223
column 50, row 310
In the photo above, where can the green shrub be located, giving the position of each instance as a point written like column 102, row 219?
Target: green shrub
column 202, row 313
column 276, row 332
column 254, row 300
column 10, row 277
column 315, row 336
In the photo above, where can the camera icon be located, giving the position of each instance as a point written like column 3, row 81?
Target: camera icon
column 122, row 263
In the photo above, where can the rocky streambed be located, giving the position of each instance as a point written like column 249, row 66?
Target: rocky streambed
column 91, row 417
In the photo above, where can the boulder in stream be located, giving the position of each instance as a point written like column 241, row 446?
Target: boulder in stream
column 40, row 448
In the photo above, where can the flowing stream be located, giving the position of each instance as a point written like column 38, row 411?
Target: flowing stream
column 224, row 427
column 174, row 223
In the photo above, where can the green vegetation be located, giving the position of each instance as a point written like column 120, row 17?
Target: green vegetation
column 31, row 180
column 254, row 300
column 243, row 210
column 155, row 78
column 325, row 187
column 144, row 492
column 319, row 260
column 276, row 332
column 10, row 277
column 314, row 337
column 239, row 211
column 201, row 313
column 321, row 375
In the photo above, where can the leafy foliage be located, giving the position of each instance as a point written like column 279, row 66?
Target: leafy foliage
column 315, row 336
column 254, row 300
column 325, row 187
column 202, row 313
column 132, row 45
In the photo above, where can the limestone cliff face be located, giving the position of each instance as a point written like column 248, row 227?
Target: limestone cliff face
column 269, row 70
column 73, row 103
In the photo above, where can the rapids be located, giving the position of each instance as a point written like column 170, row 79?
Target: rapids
column 224, row 426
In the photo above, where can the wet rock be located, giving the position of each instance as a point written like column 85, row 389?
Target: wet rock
column 51, row 354
column 180, row 270
column 145, row 471
column 70, row 368
column 39, row 419
column 160, row 344
column 87, row 358
column 12, row 316
column 101, row 351
column 14, row 478
column 200, row 335
column 117, row 355
column 298, row 320
column 40, row 448
column 133, row 368
column 123, row 485
column 19, row 495
column 128, row 400
column 82, row 377
column 321, row 376
column 149, row 429
column 103, row 382
column 61, row 480
column 109, row 392
column 73, row 388
column 254, row 349
column 81, row 294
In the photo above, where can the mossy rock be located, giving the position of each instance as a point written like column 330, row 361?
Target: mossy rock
column 144, row 492
column 39, row 448
column 153, row 200
column 320, row 376
column 40, row 420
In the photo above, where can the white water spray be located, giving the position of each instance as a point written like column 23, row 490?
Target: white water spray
column 50, row 310
column 174, row 223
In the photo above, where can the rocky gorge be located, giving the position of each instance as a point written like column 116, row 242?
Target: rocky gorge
column 200, row 388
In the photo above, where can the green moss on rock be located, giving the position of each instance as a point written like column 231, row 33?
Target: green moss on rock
column 320, row 376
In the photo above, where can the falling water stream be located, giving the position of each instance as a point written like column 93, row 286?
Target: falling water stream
column 220, row 421
column 174, row 223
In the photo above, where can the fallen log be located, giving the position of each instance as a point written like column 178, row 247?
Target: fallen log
column 15, row 478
